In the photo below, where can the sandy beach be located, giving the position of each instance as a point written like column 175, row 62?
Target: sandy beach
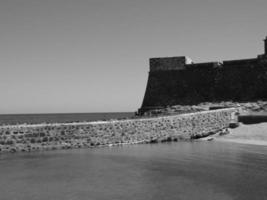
column 246, row 134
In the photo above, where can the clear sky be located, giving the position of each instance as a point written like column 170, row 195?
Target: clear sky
column 92, row 55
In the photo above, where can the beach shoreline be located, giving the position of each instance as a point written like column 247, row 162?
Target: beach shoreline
column 254, row 134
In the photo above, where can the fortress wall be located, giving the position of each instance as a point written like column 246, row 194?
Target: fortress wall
column 190, row 86
column 243, row 62
column 90, row 134
column 237, row 80
column 242, row 80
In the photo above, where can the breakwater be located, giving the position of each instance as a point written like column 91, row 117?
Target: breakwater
column 91, row 134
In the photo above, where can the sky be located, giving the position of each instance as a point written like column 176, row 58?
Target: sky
column 61, row 56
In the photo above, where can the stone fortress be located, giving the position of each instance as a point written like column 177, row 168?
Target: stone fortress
column 179, row 81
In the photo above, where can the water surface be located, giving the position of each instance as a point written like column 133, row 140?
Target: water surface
column 61, row 117
column 184, row 170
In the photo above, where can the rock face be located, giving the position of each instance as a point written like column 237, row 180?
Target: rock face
column 174, row 81
column 91, row 134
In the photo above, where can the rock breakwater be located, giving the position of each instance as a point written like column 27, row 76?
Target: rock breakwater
column 15, row 138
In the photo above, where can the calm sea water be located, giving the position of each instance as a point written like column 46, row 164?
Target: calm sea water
column 66, row 117
column 184, row 170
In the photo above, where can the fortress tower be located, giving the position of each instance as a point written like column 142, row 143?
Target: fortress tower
column 179, row 81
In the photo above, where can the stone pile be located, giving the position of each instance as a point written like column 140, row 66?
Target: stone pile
column 243, row 107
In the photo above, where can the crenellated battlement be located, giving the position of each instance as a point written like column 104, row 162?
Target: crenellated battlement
column 169, row 63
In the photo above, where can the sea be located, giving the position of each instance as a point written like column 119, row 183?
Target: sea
column 169, row 171
column 61, row 117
